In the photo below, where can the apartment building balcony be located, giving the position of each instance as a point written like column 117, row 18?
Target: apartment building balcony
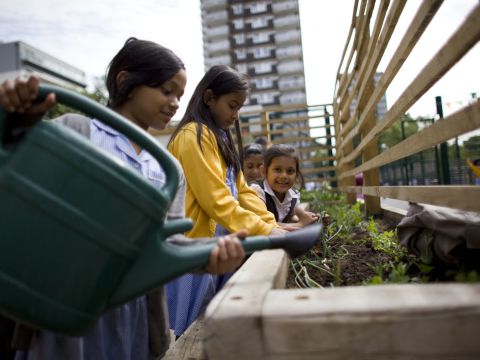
column 252, row 41
column 290, row 67
column 286, row 37
column 254, row 56
column 216, row 32
column 256, row 10
column 255, row 71
column 218, row 60
column 290, row 21
column 258, row 24
column 213, row 4
column 298, row 97
column 215, row 47
column 287, row 52
column 291, row 83
column 284, row 7
column 215, row 18
column 257, row 85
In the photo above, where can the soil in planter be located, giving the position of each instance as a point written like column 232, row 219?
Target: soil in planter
column 359, row 251
column 355, row 261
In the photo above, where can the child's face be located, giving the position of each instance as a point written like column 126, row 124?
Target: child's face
column 281, row 174
column 155, row 107
column 225, row 108
column 252, row 167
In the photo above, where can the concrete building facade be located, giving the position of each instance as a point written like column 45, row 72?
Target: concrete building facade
column 262, row 39
column 20, row 59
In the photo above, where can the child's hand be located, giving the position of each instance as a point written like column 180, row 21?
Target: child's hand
column 228, row 255
column 18, row 97
column 307, row 218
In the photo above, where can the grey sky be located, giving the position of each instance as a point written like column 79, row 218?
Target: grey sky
column 88, row 36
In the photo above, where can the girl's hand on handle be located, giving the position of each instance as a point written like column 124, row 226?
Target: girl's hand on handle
column 19, row 97
column 228, row 255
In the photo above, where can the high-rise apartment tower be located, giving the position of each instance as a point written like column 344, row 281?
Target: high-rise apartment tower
column 262, row 39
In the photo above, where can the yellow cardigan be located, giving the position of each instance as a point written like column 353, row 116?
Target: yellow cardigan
column 208, row 199
column 475, row 169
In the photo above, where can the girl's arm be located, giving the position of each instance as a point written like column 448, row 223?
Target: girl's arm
column 205, row 177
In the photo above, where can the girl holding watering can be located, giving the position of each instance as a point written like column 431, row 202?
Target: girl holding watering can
column 145, row 83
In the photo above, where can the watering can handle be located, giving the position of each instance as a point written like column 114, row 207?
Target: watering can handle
column 118, row 122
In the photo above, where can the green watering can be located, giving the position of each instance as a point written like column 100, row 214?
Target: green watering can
column 80, row 232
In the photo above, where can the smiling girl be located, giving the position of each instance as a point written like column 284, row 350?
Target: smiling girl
column 282, row 172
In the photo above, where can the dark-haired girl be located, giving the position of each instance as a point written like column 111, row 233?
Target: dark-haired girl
column 145, row 82
column 218, row 198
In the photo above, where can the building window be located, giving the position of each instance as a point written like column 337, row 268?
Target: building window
column 264, row 83
column 259, row 23
column 241, row 54
column 260, row 37
column 258, row 8
column 241, row 68
column 262, row 68
column 238, row 24
column 237, row 9
column 260, row 53
column 239, row 39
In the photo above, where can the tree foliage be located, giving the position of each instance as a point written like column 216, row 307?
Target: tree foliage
column 394, row 134
column 60, row 109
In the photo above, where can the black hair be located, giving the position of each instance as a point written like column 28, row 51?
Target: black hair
column 261, row 140
column 476, row 162
column 275, row 151
column 221, row 80
column 145, row 62
column 252, row 149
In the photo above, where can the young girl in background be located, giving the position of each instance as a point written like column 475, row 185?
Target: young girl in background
column 253, row 162
column 145, row 82
column 282, row 171
column 218, row 198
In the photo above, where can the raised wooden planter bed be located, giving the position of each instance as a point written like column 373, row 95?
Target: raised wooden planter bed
column 255, row 317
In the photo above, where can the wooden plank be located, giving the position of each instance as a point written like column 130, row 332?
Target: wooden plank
column 314, row 148
column 189, row 346
column 456, row 47
column 454, row 125
column 342, row 79
column 372, row 60
column 458, row 197
column 233, row 326
column 306, row 171
column 422, row 18
column 395, row 322
column 319, row 159
column 264, row 122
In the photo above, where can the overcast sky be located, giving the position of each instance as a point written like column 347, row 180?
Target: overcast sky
column 87, row 34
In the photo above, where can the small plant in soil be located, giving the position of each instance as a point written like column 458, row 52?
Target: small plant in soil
column 355, row 250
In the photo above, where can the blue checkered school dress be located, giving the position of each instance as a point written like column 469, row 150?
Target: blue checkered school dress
column 189, row 295
column 121, row 333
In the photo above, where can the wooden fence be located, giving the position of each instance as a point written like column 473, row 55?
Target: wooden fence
column 253, row 317
column 356, row 98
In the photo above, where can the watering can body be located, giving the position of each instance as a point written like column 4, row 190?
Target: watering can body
column 73, row 222
column 81, row 232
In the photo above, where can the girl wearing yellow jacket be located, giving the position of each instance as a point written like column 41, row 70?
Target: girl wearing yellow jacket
column 218, row 199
